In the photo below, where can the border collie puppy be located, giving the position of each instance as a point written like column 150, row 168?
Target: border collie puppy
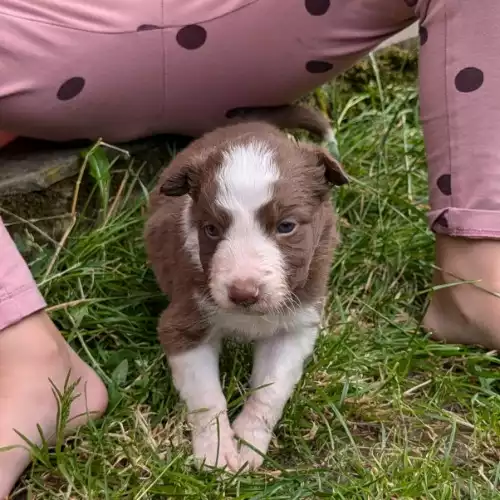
column 240, row 236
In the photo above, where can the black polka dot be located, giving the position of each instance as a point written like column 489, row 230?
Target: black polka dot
column 424, row 35
column 411, row 3
column 70, row 88
column 148, row 27
column 444, row 184
column 191, row 37
column 317, row 7
column 318, row 66
column 469, row 79
column 442, row 220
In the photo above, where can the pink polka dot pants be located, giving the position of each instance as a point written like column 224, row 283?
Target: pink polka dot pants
column 127, row 69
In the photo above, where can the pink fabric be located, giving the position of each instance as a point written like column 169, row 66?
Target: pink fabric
column 124, row 69
column 19, row 296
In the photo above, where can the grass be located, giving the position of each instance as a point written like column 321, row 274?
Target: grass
column 381, row 413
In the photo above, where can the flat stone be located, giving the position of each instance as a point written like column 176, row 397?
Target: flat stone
column 37, row 181
column 28, row 165
column 26, row 171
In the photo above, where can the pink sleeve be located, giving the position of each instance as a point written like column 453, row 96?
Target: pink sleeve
column 19, row 295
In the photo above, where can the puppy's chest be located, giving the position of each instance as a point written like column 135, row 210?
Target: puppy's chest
column 246, row 327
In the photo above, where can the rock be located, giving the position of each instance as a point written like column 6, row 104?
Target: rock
column 37, row 180
column 26, row 172
column 28, row 165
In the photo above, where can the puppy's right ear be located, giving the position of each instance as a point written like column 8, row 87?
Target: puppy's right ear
column 186, row 171
column 180, row 182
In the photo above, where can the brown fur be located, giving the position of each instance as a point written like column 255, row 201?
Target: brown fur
column 288, row 116
column 307, row 171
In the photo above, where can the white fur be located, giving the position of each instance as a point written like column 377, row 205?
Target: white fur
column 244, row 184
column 330, row 136
column 278, row 366
column 246, row 177
column 245, row 326
column 196, row 376
column 281, row 348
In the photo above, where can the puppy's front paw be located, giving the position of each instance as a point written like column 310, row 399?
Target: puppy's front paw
column 254, row 431
column 215, row 450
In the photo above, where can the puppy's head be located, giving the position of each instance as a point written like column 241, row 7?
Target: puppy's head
column 254, row 215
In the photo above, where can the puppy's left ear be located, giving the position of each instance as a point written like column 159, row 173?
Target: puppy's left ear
column 334, row 171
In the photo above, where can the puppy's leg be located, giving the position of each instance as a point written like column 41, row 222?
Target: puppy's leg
column 196, row 376
column 278, row 366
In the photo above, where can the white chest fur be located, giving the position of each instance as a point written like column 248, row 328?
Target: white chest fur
column 248, row 327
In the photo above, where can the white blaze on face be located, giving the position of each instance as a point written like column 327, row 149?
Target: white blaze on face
column 244, row 184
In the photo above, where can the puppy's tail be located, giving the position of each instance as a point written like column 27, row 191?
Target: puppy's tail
column 288, row 116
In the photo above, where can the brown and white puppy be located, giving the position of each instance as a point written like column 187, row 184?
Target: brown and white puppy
column 240, row 237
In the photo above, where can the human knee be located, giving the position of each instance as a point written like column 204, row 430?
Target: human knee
column 19, row 295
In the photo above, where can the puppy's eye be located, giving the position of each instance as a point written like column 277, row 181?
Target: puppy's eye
column 212, row 231
column 286, row 227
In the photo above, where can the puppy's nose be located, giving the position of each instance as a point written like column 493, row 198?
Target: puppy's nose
column 244, row 292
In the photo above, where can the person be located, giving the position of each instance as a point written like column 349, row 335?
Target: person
column 125, row 70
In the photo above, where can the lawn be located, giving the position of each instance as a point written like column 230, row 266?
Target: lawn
column 381, row 412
